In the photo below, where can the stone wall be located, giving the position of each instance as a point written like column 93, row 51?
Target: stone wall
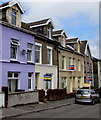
column 20, row 98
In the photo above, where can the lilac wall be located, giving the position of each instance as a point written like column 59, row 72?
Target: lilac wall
column 23, row 68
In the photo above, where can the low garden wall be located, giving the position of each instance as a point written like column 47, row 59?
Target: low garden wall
column 56, row 94
column 19, row 98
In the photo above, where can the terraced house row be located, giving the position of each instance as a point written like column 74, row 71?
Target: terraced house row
column 36, row 56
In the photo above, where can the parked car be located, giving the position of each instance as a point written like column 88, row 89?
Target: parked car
column 87, row 95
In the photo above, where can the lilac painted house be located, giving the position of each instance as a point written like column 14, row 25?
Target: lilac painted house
column 16, row 50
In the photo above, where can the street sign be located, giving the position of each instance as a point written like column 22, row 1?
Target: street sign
column 47, row 77
column 90, row 78
column 71, row 67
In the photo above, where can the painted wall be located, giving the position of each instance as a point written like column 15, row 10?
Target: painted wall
column 43, row 69
column 22, row 66
column 71, row 75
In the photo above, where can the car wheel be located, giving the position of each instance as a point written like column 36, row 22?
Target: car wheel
column 93, row 102
column 75, row 102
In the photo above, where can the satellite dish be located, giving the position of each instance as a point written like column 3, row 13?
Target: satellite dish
column 24, row 52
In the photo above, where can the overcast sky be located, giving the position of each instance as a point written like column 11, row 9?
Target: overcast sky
column 78, row 18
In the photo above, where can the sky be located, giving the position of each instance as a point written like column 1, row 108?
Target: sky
column 77, row 18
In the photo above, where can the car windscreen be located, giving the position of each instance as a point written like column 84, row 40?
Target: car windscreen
column 83, row 92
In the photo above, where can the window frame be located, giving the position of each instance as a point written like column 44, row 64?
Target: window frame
column 64, row 81
column 14, row 17
column 13, row 78
column 29, row 50
column 79, row 65
column 30, row 78
column 63, row 62
column 72, row 63
column 49, row 34
column 14, row 46
column 51, row 61
column 40, row 57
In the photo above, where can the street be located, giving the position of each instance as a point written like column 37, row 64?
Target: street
column 71, row 111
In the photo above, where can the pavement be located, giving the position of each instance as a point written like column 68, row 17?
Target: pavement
column 31, row 108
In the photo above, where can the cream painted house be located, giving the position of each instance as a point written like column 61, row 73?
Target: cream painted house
column 46, row 60
column 71, row 71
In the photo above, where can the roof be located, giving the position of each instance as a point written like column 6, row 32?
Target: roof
column 72, row 40
column 83, row 46
column 96, row 59
column 58, row 33
column 17, row 28
column 40, row 23
column 10, row 4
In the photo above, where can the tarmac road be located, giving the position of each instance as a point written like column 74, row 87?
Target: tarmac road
column 71, row 111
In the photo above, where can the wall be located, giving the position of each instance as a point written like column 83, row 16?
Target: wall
column 43, row 69
column 2, row 99
column 21, row 65
column 44, row 51
column 72, row 84
column 23, row 98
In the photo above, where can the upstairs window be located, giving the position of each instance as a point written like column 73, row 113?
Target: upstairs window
column 13, row 19
column 63, row 62
column 14, row 49
column 38, row 49
column 63, row 41
column 49, row 33
column 49, row 55
column 29, row 52
column 79, row 67
column 72, row 65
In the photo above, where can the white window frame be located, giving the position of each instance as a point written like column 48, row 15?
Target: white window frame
column 79, row 65
column 50, row 48
column 29, row 49
column 64, row 64
column 16, row 44
column 40, row 45
column 49, row 32
column 30, row 78
column 14, row 15
column 63, row 41
column 13, row 78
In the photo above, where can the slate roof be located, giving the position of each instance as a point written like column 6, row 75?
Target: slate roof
column 72, row 40
column 4, row 4
column 10, row 4
column 39, row 23
column 58, row 33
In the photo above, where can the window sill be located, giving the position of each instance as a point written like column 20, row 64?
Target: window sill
column 14, row 61
column 63, row 70
column 31, row 63
column 38, row 63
